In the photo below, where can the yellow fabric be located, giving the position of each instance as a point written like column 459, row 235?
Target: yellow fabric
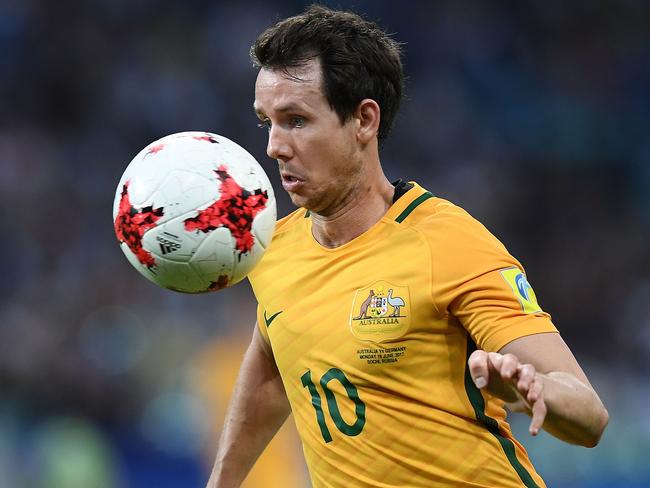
column 373, row 337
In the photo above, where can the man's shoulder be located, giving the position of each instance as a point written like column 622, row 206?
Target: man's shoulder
column 422, row 209
column 444, row 224
column 442, row 213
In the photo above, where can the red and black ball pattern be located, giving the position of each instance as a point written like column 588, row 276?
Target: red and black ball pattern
column 235, row 209
column 131, row 223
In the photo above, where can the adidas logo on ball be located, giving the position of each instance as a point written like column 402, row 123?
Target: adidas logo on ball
column 167, row 246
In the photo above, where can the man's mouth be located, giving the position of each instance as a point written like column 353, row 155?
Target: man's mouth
column 290, row 182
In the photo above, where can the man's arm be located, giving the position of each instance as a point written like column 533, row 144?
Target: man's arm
column 539, row 375
column 257, row 409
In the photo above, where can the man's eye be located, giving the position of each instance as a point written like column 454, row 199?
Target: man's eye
column 297, row 122
column 265, row 124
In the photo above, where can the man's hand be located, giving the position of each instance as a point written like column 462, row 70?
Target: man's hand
column 516, row 383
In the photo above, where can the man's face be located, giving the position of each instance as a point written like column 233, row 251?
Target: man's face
column 318, row 157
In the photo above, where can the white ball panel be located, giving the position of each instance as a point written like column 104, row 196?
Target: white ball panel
column 182, row 192
column 264, row 224
column 245, row 263
column 215, row 257
column 179, row 277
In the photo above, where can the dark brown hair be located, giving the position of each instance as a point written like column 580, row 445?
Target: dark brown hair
column 358, row 59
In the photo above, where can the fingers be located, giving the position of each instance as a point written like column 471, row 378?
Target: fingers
column 516, row 383
column 510, row 370
column 536, row 400
column 506, row 364
column 483, row 365
column 525, row 377
column 478, row 368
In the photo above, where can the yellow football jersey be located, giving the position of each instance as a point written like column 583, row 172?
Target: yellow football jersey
column 372, row 340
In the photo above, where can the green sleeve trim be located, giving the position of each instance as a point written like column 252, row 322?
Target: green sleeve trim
column 407, row 211
column 478, row 403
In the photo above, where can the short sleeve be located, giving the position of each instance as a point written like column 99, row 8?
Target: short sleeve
column 475, row 279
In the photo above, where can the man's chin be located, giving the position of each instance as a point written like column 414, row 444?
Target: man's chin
column 303, row 201
column 298, row 200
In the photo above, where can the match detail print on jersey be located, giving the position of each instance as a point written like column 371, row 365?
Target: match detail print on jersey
column 380, row 312
column 522, row 289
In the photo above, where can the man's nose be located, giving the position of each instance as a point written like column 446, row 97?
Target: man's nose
column 278, row 146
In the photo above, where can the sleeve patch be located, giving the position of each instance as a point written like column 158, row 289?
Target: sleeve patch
column 522, row 289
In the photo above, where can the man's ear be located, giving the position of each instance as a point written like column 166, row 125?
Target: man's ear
column 368, row 115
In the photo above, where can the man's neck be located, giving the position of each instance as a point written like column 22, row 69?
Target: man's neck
column 366, row 206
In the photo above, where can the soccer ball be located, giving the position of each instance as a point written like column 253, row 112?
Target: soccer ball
column 194, row 212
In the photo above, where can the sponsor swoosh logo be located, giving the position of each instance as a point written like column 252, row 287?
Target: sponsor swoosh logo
column 271, row 318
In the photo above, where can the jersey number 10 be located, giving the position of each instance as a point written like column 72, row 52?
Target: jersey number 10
column 332, row 405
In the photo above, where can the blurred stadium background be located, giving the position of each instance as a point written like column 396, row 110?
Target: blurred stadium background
column 533, row 115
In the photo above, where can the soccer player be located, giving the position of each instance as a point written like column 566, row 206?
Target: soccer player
column 391, row 323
